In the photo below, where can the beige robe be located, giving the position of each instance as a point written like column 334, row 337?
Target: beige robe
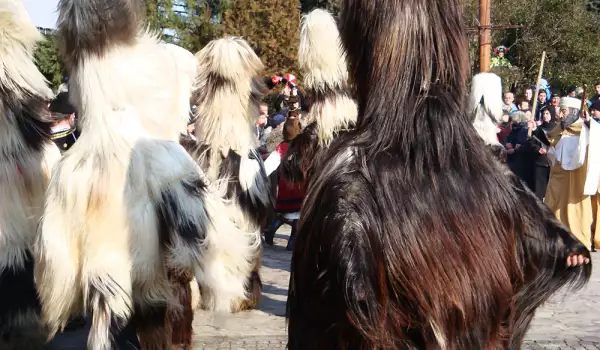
column 564, row 194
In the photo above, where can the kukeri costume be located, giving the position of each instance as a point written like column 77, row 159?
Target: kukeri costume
column 410, row 237
column 27, row 156
column 332, row 110
column 229, row 89
column 126, row 205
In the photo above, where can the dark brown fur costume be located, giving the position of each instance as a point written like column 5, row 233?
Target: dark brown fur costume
column 412, row 235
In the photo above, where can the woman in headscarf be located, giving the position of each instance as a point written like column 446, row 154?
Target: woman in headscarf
column 538, row 146
column 519, row 157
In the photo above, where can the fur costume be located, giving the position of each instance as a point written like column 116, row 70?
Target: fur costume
column 27, row 156
column 229, row 89
column 410, row 237
column 126, row 207
column 485, row 104
column 323, row 60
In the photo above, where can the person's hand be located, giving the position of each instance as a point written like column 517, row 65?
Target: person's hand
column 542, row 151
column 517, row 146
column 585, row 116
column 510, row 151
column 508, row 145
column 538, row 123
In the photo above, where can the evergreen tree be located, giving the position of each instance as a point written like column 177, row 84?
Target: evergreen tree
column 271, row 27
column 48, row 60
column 190, row 24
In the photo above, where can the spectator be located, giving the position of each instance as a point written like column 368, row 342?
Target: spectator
column 538, row 146
column 524, row 105
column 597, row 96
column 289, row 196
column 528, row 95
column 64, row 131
column 509, row 102
column 541, row 103
column 519, row 159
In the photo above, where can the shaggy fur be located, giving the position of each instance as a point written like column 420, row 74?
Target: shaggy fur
column 412, row 235
column 27, row 156
column 229, row 88
column 323, row 60
column 125, row 204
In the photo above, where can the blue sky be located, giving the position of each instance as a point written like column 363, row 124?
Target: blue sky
column 42, row 12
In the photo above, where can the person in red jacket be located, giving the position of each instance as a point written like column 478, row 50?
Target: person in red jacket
column 289, row 196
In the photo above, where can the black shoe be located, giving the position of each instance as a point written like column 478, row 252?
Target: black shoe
column 269, row 238
column 290, row 245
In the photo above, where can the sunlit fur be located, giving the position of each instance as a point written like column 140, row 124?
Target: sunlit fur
column 412, row 235
column 228, row 90
column 26, row 158
column 126, row 204
column 323, row 62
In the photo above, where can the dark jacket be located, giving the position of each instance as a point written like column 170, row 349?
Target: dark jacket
column 65, row 139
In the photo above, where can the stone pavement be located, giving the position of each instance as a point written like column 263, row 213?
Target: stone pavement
column 569, row 321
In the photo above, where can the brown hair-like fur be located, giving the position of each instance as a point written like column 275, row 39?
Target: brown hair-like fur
column 412, row 235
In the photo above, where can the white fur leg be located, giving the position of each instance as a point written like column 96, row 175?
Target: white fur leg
column 227, row 261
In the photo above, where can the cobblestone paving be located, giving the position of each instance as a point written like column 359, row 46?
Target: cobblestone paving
column 569, row 321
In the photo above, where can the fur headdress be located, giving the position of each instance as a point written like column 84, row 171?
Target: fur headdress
column 18, row 38
column 321, row 56
column 227, row 95
column 485, row 104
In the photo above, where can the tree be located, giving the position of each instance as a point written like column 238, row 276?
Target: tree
column 48, row 60
column 567, row 31
column 190, row 24
column 271, row 27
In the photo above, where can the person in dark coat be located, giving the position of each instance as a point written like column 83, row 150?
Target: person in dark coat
column 537, row 147
column 519, row 157
column 64, row 132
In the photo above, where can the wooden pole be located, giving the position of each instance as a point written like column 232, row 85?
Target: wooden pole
column 537, row 90
column 485, row 35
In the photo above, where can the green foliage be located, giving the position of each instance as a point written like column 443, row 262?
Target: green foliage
column 567, row 31
column 271, row 27
column 188, row 23
column 48, row 60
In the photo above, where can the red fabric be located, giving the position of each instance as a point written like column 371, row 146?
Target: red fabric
column 289, row 197
column 504, row 131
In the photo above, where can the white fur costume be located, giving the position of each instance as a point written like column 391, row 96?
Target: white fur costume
column 485, row 103
column 228, row 91
column 126, row 203
column 26, row 158
column 323, row 60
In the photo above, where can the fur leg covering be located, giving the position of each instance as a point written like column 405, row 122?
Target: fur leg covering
column 229, row 88
column 181, row 322
column 27, row 156
column 125, row 204
column 230, row 258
